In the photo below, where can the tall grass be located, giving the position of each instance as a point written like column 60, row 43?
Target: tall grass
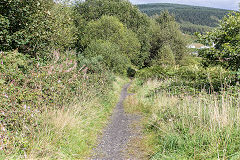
column 52, row 110
column 190, row 126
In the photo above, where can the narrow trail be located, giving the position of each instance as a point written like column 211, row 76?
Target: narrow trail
column 118, row 133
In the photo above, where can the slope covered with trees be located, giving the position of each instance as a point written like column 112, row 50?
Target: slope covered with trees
column 191, row 18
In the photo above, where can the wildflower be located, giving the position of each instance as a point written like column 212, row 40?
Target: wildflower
column 3, row 129
column 1, row 62
column 25, row 106
column 6, row 95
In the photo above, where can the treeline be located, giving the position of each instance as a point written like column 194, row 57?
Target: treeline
column 54, row 53
column 198, row 18
column 189, row 28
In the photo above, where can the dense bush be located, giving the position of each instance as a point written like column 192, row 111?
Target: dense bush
column 36, row 27
column 190, row 60
column 224, row 42
column 128, row 15
column 29, row 88
column 164, row 56
column 64, row 30
column 109, row 38
column 109, row 28
column 195, row 77
column 167, row 42
column 112, row 56
column 28, row 25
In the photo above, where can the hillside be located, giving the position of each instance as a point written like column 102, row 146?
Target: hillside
column 191, row 18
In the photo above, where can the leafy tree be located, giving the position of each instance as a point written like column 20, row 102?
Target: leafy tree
column 26, row 25
column 36, row 26
column 225, row 42
column 64, row 29
column 110, row 29
column 166, row 35
column 128, row 14
column 111, row 54
column 165, row 56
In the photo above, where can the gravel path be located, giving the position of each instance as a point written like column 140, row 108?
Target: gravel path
column 117, row 134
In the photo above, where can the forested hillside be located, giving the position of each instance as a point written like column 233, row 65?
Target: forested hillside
column 191, row 18
column 62, row 67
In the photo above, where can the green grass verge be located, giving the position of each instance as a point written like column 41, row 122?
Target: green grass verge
column 73, row 131
column 200, row 126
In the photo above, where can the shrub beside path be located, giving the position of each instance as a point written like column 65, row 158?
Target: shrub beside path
column 118, row 133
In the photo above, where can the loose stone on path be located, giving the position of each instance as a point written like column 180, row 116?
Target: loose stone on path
column 118, row 133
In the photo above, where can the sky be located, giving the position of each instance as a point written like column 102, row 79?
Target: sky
column 224, row 4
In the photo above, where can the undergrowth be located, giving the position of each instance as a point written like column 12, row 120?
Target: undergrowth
column 52, row 110
column 189, row 125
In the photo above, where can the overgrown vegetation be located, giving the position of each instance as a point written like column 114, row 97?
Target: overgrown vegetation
column 59, row 69
column 188, row 124
column 192, row 110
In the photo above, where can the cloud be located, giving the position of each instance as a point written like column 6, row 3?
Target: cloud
column 224, row 4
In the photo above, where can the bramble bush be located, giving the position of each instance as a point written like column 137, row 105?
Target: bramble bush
column 29, row 88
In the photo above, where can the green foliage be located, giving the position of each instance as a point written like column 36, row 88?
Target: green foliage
column 127, row 14
column 4, row 33
column 112, row 56
column 111, row 29
column 29, row 25
column 189, row 28
column 111, row 37
column 190, row 61
column 36, row 27
column 191, row 18
column 158, row 72
column 64, row 31
column 28, row 88
column 190, row 77
column 164, row 56
column 167, row 39
column 226, row 40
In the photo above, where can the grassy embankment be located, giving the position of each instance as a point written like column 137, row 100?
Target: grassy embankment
column 187, row 126
column 72, row 133
column 53, row 111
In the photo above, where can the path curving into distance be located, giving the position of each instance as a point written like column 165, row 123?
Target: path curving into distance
column 117, row 134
